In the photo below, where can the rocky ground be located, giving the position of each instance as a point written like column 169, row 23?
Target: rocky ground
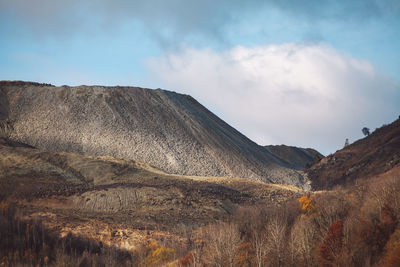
column 170, row 131
column 93, row 196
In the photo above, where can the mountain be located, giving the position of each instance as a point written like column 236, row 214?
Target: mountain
column 298, row 158
column 170, row 131
column 371, row 156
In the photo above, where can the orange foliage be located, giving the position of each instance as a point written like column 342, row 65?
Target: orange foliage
column 187, row 260
column 157, row 255
column 306, row 204
column 243, row 256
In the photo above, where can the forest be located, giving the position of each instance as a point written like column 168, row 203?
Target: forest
column 356, row 225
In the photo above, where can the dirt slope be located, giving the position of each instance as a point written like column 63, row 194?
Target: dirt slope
column 370, row 156
column 69, row 188
column 170, row 131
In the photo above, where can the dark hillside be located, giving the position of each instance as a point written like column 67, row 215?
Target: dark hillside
column 298, row 158
column 370, row 156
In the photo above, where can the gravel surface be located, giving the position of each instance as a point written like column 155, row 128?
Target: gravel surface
column 170, row 131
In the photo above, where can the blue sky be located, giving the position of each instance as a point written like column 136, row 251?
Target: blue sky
column 307, row 73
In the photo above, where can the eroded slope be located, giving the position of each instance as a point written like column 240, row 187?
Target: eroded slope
column 122, row 192
column 168, row 130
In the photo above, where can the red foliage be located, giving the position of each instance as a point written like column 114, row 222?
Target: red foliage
column 387, row 225
column 377, row 233
column 187, row 260
column 388, row 219
column 393, row 257
column 332, row 244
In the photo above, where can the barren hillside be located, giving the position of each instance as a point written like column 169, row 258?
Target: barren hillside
column 170, row 131
column 298, row 158
column 71, row 191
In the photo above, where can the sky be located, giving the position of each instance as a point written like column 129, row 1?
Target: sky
column 304, row 73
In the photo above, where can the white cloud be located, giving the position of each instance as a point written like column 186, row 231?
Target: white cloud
column 305, row 95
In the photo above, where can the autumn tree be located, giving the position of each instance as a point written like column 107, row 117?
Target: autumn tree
column 331, row 246
column 157, row 255
column 306, row 204
column 393, row 257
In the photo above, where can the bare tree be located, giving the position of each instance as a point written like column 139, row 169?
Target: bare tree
column 221, row 248
column 276, row 231
column 302, row 241
column 259, row 243
column 196, row 259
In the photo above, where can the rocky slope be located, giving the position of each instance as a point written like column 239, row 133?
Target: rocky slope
column 168, row 130
column 107, row 190
column 370, row 156
column 298, row 158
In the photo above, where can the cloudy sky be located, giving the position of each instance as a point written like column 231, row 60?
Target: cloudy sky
column 306, row 73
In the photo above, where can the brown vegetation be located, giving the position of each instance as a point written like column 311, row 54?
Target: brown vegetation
column 345, row 227
column 29, row 243
column 355, row 226
column 373, row 155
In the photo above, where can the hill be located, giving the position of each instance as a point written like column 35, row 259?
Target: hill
column 170, row 131
column 71, row 192
column 373, row 155
column 298, row 158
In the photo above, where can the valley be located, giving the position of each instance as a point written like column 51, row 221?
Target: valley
column 126, row 176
